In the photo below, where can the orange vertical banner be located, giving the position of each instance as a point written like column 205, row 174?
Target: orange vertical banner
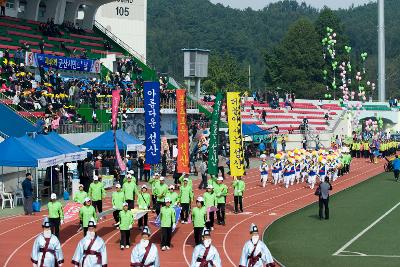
column 183, row 132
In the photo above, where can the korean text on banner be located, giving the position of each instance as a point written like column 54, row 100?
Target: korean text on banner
column 183, row 132
column 151, row 94
column 121, row 163
column 114, row 107
column 235, row 134
column 214, row 139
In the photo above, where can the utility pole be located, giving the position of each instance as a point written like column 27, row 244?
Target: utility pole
column 249, row 78
column 381, row 51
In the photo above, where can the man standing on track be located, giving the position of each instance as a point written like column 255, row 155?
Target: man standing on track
column 205, row 254
column 56, row 215
column 160, row 192
column 143, row 204
column 255, row 253
column 117, row 200
column 97, row 193
column 87, row 213
column 396, row 167
column 185, row 198
column 154, row 182
column 221, row 191
column 238, row 186
column 46, row 250
column 80, row 195
column 145, row 253
column 125, row 226
column 27, row 190
column 199, row 217
column 210, row 202
column 167, row 218
column 91, row 250
column 130, row 190
column 324, row 189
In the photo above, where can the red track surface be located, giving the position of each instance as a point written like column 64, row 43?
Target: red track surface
column 261, row 206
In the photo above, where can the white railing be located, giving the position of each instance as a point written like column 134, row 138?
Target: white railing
column 83, row 128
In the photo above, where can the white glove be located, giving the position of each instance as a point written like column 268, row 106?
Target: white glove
column 174, row 226
column 60, row 265
column 62, row 222
column 130, row 227
column 114, row 207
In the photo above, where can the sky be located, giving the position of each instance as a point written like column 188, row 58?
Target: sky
column 259, row 4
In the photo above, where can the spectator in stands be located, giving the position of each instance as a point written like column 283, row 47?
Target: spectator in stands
column 41, row 46
column 283, row 143
column 326, row 117
column 293, row 97
column 264, row 116
column 3, row 8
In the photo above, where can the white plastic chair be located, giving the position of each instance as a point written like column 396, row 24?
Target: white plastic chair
column 18, row 195
column 5, row 197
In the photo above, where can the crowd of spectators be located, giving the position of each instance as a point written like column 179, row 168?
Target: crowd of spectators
column 50, row 28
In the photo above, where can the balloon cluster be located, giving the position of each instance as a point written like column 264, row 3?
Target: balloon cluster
column 373, row 125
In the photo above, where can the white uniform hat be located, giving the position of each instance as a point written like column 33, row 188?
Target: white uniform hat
column 46, row 223
column 99, row 157
column 131, row 172
column 87, row 199
column 53, row 196
column 144, row 186
column 210, row 187
column 125, row 204
column 220, row 178
column 253, row 228
column 200, row 199
column 156, row 174
column 117, row 186
column 162, row 178
column 95, row 178
column 81, row 185
column 92, row 223
column 171, row 186
column 206, row 232
column 146, row 231
column 185, row 179
column 167, row 199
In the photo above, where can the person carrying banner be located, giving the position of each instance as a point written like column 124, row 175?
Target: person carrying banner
column 205, row 254
column 145, row 253
column 87, row 213
column 56, row 214
column 46, row 250
column 210, row 203
column 185, row 199
column 167, row 218
column 79, row 196
column 154, row 182
column 91, row 250
column 97, row 193
column 160, row 191
column 199, row 217
column 143, row 204
column 125, row 226
column 172, row 195
column 221, row 191
column 130, row 189
column 117, row 199
column 255, row 253
column 238, row 190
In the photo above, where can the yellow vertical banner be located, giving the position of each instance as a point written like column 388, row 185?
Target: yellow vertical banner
column 235, row 134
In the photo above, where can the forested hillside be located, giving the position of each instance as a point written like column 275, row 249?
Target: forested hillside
column 245, row 37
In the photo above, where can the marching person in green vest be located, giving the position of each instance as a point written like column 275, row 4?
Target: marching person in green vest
column 97, row 193
column 79, row 196
column 87, row 213
column 56, row 215
column 172, row 195
column 144, row 204
column 125, row 226
column 130, row 189
column 154, row 182
column 117, row 200
column 199, row 217
column 185, row 176
column 167, row 218
column 212, row 181
column 238, row 187
column 160, row 191
column 185, row 199
column 210, row 200
column 221, row 191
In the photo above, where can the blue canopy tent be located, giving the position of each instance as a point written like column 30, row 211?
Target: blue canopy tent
column 56, row 143
column 105, row 141
column 253, row 129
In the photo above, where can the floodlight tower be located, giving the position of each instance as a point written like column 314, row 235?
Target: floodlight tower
column 195, row 63
column 381, row 51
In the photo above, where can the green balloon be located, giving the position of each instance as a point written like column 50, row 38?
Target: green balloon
column 326, row 95
column 325, row 72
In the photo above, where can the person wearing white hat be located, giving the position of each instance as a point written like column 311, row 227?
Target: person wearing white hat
column 264, row 168
column 205, row 254
column 143, row 204
column 130, row 190
column 199, row 217
column 145, row 253
column 79, row 196
column 255, row 253
column 97, row 193
column 125, row 226
column 172, row 195
column 210, row 202
column 238, row 190
column 221, row 191
column 154, row 182
column 185, row 199
column 186, row 176
column 160, row 191
column 117, row 199
column 46, row 250
column 91, row 250
column 56, row 214
column 87, row 213
column 167, row 218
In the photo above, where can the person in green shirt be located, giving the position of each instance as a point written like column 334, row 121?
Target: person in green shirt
column 144, row 204
column 185, row 199
column 130, row 189
column 79, row 196
column 167, row 218
column 221, row 191
column 160, row 191
column 154, row 182
column 199, row 217
column 117, row 200
column 238, row 186
column 56, row 215
column 172, row 195
column 87, row 213
column 210, row 200
column 97, row 193
column 185, row 176
column 212, row 181
column 125, row 226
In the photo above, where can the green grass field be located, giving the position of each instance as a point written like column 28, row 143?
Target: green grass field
column 363, row 230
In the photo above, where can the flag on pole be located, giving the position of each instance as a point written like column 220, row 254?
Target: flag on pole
column 213, row 144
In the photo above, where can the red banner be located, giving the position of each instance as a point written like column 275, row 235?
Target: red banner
column 183, row 133
column 121, row 163
column 71, row 211
column 114, row 107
